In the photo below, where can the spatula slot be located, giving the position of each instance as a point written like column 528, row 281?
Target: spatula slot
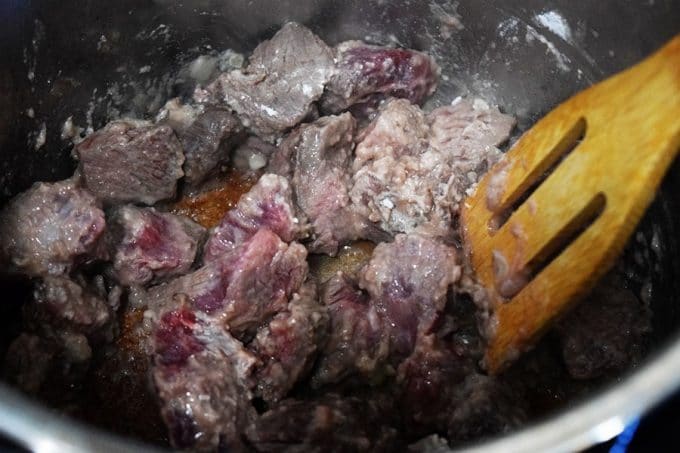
column 568, row 234
column 539, row 173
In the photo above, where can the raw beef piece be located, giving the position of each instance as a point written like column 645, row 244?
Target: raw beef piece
column 288, row 345
column 322, row 152
column 268, row 204
column 207, row 133
column 152, row 245
column 440, row 389
column 201, row 375
column 400, row 182
column 330, row 424
column 62, row 322
column 284, row 77
column 357, row 342
column 467, row 133
column 50, row 227
column 364, row 71
column 243, row 288
column 606, row 332
column 412, row 171
column 407, row 281
column 131, row 161
column 252, row 155
column 62, row 304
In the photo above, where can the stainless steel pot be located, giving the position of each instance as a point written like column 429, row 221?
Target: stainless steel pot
column 525, row 55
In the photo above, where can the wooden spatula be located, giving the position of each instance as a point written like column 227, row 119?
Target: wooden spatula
column 540, row 243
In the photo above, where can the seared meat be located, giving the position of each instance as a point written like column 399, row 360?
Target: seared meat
column 285, row 75
column 407, row 288
column 50, row 227
column 605, row 333
column 364, row 72
column 207, row 133
column 62, row 323
column 152, row 245
column 244, row 287
column 412, row 171
column 358, row 342
column 131, row 161
column 288, row 345
column 441, row 389
column 321, row 156
column 268, row 205
column 200, row 373
column 330, row 424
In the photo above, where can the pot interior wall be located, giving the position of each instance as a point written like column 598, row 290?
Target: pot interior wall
column 94, row 60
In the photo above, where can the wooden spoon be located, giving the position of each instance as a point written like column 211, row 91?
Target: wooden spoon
column 540, row 243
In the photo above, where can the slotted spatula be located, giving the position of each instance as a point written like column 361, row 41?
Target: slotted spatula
column 540, row 243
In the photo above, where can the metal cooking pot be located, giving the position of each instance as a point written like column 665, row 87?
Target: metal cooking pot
column 93, row 60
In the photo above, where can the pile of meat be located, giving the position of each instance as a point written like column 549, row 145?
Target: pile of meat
column 247, row 350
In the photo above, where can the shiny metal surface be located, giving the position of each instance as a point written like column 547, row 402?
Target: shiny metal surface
column 525, row 55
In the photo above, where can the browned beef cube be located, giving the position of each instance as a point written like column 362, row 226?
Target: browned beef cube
column 329, row 424
column 201, row 376
column 152, row 245
column 131, row 161
column 288, row 345
column 407, row 281
column 412, row 171
column 243, row 288
column 606, row 332
column 268, row 204
column 50, row 227
column 276, row 90
column 358, row 342
column 364, row 72
column 208, row 135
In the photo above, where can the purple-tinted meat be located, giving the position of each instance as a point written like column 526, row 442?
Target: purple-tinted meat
column 407, row 289
column 50, row 228
column 277, row 89
column 152, row 245
column 358, row 343
column 268, row 205
column 364, row 72
column 131, row 162
column 288, row 345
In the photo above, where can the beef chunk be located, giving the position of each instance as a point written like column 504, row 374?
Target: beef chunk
column 50, row 227
column 289, row 344
column 200, row 373
column 399, row 181
column 207, row 134
column 131, row 161
column 364, row 71
column 321, row 156
column 605, row 333
column 407, row 281
column 276, row 90
column 268, row 204
column 61, row 303
column 357, row 341
column 331, row 424
column 252, row 155
column 468, row 134
column 245, row 287
column 152, row 245
column 62, row 323
column 412, row 171
column 440, row 389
